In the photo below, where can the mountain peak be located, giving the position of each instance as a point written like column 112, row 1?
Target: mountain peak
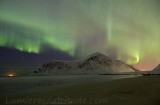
column 97, row 54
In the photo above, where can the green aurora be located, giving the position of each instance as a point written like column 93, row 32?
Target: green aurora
column 129, row 29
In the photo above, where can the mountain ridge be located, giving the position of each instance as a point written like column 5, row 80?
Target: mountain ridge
column 95, row 63
column 156, row 70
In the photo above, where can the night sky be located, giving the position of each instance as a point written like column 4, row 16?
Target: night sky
column 33, row 32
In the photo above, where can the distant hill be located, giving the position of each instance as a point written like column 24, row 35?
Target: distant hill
column 96, row 63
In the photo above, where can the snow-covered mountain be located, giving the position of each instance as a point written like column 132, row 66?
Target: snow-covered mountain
column 96, row 63
column 156, row 70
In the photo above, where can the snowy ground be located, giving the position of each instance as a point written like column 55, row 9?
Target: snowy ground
column 14, row 85
column 46, row 86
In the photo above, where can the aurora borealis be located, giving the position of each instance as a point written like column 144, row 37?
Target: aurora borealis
column 127, row 30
